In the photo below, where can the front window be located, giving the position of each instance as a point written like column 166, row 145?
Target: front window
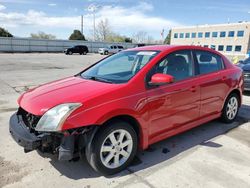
column 119, row 68
column 177, row 64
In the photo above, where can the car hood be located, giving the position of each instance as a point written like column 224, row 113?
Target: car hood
column 69, row 90
column 246, row 67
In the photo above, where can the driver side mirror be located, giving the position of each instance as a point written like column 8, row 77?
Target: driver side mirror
column 161, row 79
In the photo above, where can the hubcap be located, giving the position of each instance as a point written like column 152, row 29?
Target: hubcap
column 116, row 148
column 232, row 108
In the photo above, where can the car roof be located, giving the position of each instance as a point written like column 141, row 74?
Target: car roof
column 172, row 47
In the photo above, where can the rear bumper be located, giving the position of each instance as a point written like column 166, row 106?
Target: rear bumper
column 22, row 135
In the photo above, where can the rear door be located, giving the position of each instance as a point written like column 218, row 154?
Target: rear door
column 175, row 104
column 212, row 81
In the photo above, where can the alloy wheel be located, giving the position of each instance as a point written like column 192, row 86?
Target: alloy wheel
column 116, row 148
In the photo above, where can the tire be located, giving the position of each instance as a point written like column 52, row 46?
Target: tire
column 105, row 53
column 118, row 153
column 84, row 53
column 70, row 52
column 231, row 108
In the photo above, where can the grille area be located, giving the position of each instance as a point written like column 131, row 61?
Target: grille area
column 29, row 119
column 246, row 75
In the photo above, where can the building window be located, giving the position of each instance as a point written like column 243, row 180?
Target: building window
column 222, row 33
column 229, row 48
column 207, row 34
column 238, row 48
column 181, row 35
column 213, row 47
column 200, row 35
column 176, row 35
column 215, row 34
column 187, row 35
column 231, row 34
column 240, row 33
column 193, row 35
column 221, row 48
column 206, row 46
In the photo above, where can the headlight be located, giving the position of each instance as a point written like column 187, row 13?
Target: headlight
column 53, row 119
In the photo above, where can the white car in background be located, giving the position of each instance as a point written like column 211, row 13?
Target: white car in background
column 112, row 49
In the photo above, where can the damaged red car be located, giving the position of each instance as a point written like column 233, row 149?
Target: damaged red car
column 126, row 102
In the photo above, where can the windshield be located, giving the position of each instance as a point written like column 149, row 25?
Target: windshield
column 246, row 61
column 119, row 68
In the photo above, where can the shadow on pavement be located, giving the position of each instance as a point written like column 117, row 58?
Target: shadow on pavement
column 171, row 149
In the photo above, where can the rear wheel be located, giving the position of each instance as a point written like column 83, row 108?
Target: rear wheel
column 113, row 148
column 84, row 53
column 231, row 108
column 70, row 52
column 105, row 53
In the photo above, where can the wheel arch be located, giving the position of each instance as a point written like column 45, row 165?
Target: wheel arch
column 237, row 92
column 131, row 121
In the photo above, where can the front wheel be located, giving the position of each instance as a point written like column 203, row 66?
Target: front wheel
column 231, row 108
column 113, row 148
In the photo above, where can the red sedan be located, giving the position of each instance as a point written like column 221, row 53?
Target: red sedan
column 126, row 102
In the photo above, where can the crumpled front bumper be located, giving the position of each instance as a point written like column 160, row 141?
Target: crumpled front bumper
column 22, row 135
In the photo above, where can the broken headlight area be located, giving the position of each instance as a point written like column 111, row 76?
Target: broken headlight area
column 66, row 144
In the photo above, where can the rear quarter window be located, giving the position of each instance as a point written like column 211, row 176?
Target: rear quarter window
column 208, row 62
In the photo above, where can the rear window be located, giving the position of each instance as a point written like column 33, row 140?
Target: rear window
column 208, row 62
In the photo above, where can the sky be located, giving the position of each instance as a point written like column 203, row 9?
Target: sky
column 126, row 17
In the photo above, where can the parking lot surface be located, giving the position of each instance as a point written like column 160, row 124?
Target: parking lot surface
column 211, row 155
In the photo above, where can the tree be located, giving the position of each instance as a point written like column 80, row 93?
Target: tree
column 5, row 33
column 42, row 35
column 140, row 37
column 168, row 38
column 77, row 35
column 127, row 39
column 103, row 30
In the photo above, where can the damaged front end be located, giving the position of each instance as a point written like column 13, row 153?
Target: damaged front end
column 66, row 144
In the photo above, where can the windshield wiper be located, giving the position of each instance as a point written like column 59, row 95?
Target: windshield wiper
column 97, row 79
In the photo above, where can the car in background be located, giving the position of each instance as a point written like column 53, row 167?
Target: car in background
column 242, row 63
column 127, row 102
column 79, row 49
column 112, row 49
column 245, row 66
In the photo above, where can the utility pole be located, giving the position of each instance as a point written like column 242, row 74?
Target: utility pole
column 92, row 8
column 82, row 24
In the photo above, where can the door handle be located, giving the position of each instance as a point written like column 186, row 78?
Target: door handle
column 192, row 89
column 223, row 78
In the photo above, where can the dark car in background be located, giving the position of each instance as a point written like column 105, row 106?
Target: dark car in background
column 79, row 49
column 245, row 65
column 246, row 73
